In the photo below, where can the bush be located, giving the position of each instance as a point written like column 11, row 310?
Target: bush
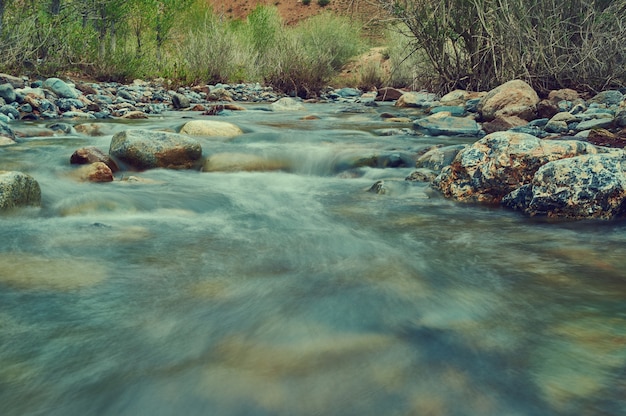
column 478, row 44
column 323, row 3
column 309, row 55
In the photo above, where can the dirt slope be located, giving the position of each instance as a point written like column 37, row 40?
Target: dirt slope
column 293, row 11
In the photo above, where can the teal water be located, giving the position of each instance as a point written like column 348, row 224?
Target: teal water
column 297, row 292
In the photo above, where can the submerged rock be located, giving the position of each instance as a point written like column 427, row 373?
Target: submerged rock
column 28, row 271
column 146, row 149
column 233, row 162
column 18, row 189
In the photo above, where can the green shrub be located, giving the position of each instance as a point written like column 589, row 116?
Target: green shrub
column 306, row 2
column 312, row 53
column 323, row 3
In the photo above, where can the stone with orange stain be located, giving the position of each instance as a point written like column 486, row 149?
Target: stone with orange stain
column 501, row 162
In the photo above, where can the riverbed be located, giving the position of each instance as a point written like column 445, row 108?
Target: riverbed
column 296, row 291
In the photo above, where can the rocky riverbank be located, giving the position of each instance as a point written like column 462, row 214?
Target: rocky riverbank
column 560, row 156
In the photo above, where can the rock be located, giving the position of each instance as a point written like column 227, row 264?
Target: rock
column 287, row 104
column 588, row 186
column 556, row 126
column 417, row 100
column 36, row 272
column 18, row 189
column 503, row 123
column 501, row 162
column 442, row 124
column 234, row 162
column 95, row 172
column 547, row 109
column 219, row 94
column 6, row 131
column 15, row 82
column 135, row 115
column 234, row 107
column 438, row 158
column 609, row 97
column 388, row 94
column 532, row 130
column 78, row 115
column 513, row 98
column 456, row 97
column 603, row 137
column 454, row 110
column 180, row 101
column 594, row 123
column 421, row 175
column 5, row 141
column 10, row 111
column 7, row 93
column 620, row 118
column 210, row 128
column 565, row 94
column 378, row 188
column 398, row 120
column 60, row 88
column 348, row 92
column 93, row 129
column 145, row 149
column 89, row 155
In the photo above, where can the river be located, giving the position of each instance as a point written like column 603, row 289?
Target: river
column 296, row 291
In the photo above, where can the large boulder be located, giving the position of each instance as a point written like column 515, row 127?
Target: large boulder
column 146, row 149
column 589, row 186
column 513, row 98
column 210, row 128
column 501, row 162
column 18, row 189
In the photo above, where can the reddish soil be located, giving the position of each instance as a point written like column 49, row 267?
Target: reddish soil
column 292, row 11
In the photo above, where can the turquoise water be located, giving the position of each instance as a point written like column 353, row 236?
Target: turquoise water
column 297, row 292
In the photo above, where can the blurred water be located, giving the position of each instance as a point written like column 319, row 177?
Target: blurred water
column 296, row 292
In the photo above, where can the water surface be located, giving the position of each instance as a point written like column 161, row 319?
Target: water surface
column 296, row 291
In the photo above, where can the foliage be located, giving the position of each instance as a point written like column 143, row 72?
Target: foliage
column 323, row 3
column 183, row 40
column 481, row 43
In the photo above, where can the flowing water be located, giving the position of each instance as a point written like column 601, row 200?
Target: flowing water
column 296, row 291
